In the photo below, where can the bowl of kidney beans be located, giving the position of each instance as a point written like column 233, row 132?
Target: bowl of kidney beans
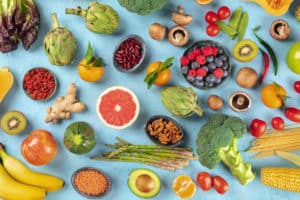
column 205, row 64
column 39, row 84
column 129, row 53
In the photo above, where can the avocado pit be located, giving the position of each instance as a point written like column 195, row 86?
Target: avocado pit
column 144, row 183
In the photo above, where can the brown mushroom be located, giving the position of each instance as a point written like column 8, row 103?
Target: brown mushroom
column 239, row 101
column 178, row 36
column 214, row 102
column 280, row 29
column 180, row 18
column 246, row 77
column 157, row 31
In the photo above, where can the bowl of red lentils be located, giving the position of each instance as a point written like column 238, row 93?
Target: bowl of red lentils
column 39, row 84
column 91, row 182
column 129, row 53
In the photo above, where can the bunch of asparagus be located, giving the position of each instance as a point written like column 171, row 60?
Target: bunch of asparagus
column 168, row 158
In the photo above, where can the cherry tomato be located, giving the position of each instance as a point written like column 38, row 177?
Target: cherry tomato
column 258, row 127
column 211, row 17
column 204, row 181
column 39, row 147
column 292, row 114
column 277, row 123
column 220, row 184
column 212, row 30
column 297, row 86
column 223, row 12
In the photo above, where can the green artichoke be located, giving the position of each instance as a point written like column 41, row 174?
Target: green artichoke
column 99, row 18
column 59, row 44
column 181, row 101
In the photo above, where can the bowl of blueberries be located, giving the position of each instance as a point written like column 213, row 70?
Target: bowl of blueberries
column 205, row 64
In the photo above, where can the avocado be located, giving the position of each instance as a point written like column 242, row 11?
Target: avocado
column 144, row 183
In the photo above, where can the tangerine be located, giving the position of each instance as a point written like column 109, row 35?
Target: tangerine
column 184, row 186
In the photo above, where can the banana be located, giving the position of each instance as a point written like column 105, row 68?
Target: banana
column 20, row 172
column 10, row 188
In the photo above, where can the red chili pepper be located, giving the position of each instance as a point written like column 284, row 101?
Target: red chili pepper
column 266, row 65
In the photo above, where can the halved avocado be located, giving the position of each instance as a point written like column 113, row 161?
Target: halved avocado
column 144, row 183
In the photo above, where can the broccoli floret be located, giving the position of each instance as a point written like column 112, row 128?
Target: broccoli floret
column 217, row 141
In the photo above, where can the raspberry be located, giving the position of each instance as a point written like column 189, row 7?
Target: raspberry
column 192, row 56
column 201, row 59
column 201, row 72
column 215, row 50
column 218, row 72
column 197, row 52
column 192, row 72
column 184, row 61
column 208, row 51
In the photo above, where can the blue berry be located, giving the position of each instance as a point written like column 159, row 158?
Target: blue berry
column 195, row 65
column 185, row 70
column 218, row 62
column 225, row 66
column 218, row 80
column 211, row 66
column 221, row 51
column 225, row 73
column 199, row 78
column 210, row 59
column 190, row 78
column 199, row 83
column 223, row 57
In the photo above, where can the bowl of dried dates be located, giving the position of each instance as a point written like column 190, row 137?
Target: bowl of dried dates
column 205, row 64
column 164, row 131
column 129, row 53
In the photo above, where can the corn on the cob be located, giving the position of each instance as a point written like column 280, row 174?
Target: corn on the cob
column 281, row 178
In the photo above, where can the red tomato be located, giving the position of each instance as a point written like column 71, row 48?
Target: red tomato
column 204, row 181
column 297, row 86
column 211, row 17
column 277, row 123
column 258, row 127
column 220, row 184
column 292, row 114
column 212, row 30
column 223, row 12
column 39, row 147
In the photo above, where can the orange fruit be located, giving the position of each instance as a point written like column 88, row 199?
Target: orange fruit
column 89, row 72
column 273, row 95
column 184, row 186
column 163, row 77
column 203, row 1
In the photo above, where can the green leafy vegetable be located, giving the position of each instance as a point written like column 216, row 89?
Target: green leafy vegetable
column 217, row 141
column 143, row 7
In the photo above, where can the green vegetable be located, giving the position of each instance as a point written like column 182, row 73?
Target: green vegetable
column 79, row 138
column 181, row 101
column 243, row 26
column 231, row 32
column 168, row 158
column 143, row 7
column 235, row 18
column 19, row 20
column 99, row 18
column 217, row 141
column 268, row 48
column 59, row 44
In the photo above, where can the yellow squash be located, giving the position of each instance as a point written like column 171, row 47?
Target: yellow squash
column 6, row 80
column 274, row 7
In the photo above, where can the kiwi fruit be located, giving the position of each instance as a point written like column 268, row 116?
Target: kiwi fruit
column 245, row 50
column 13, row 122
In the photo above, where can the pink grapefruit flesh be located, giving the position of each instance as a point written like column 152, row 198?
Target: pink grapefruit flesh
column 117, row 107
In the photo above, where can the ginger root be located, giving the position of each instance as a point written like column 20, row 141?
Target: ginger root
column 64, row 106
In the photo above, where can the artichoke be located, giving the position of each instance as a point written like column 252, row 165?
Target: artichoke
column 59, row 44
column 181, row 101
column 99, row 18
column 19, row 20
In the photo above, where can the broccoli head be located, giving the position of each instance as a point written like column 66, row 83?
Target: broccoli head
column 217, row 141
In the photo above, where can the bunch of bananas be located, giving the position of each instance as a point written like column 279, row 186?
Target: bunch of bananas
column 19, row 182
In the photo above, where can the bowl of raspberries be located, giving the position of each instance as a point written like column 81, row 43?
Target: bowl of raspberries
column 205, row 64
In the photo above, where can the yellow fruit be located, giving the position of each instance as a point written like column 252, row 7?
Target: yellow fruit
column 273, row 95
column 6, row 80
column 184, row 186
column 20, row 172
column 203, row 1
column 163, row 77
column 11, row 189
column 89, row 72
column 274, row 7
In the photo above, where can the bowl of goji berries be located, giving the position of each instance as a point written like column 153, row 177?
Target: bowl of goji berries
column 205, row 64
column 39, row 84
column 129, row 53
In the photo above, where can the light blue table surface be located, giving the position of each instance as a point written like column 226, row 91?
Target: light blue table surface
column 66, row 163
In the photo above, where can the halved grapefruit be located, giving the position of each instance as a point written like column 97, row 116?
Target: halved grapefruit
column 118, row 107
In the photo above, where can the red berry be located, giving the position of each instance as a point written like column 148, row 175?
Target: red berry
column 184, row 61
column 201, row 59
column 201, row 72
column 192, row 72
column 208, row 51
column 197, row 51
column 215, row 50
column 218, row 72
column 192, row 56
